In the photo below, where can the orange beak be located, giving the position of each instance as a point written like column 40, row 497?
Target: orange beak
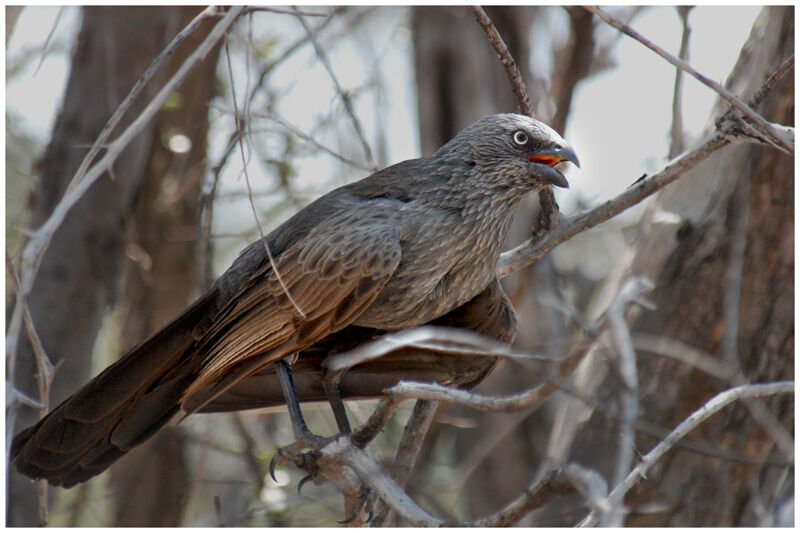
column 549, row 160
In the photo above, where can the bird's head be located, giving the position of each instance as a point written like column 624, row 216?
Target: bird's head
column 511, row 151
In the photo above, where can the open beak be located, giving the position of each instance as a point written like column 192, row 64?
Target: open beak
column 543, row 164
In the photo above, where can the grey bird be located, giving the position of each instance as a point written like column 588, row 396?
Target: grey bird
column 416, row 243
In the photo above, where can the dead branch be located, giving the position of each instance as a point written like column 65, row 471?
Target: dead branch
column 240, row 136
column 773, row 136
column 342, row 452
column 676, row 145
column 158, row 62
column 625, row 360
column 533, row 249
column 560, row 481
column 504, row 55
column 406, row 457
column 348, row 104
column 45, row 371
column 37, row 246
column 711, row 407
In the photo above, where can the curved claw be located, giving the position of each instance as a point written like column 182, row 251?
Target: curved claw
column 303, row 482
column 349, row 520
column 272, row 463
column 358, row 511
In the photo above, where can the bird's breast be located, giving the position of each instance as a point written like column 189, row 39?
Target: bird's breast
column 445, row 262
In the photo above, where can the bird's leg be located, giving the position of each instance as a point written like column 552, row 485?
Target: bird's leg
column 301, row 432
column 296, row 453
column 331, row 385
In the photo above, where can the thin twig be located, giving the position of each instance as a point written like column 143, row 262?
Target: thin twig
column 686, row 354
column 263, row 239
column 770, row 83
column 560, row 481
column 550, row 215
column 676, row 145
column 406, row 457
column 313, row 142
column 157, row 63
column 530, row 251
column 711, row 407
column 631, row 290
column 506, row 59
column 46, row 45
column 348, row 104
column 282, row 11
column 45, row 371
column 761, row 124
column 37, row 246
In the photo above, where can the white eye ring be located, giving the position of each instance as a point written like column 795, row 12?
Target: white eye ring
column 520, row 138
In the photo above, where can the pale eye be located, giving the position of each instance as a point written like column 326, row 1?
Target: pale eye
column 520, row 138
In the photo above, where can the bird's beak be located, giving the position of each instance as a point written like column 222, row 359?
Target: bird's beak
column 543, row 164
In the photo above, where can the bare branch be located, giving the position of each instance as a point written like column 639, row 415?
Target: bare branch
column 770, row 83
column 686, row 354
column 504, row 55
column 158, row 62
column 44, row 378
column 407, row 452
column 262, row 238
column 37, row 246
column 46, row 45
column 760, row 123
column 309, row 139
column 348, row 104
column 532, row 250
column 560, row 481
column 516, row 402
column 342, row 450
column 550, row 216
column 294, row 12
column 676, row 145
column 711, row 407
column 439, row 338
column 631, row 290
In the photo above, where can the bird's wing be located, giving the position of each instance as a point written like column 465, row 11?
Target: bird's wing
column 326, row 281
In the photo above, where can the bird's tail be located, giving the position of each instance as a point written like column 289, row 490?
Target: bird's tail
column 117, row 410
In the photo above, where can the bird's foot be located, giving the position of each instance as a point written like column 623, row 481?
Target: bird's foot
column 303, row 454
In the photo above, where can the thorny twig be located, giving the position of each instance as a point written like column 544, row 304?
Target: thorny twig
column 759, row 122
column 45, row 371
column 715, row 404
column 37, row 246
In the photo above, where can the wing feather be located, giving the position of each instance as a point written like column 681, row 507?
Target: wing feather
column 332, row 275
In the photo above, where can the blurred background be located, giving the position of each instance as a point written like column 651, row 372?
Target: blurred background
column 139, row 248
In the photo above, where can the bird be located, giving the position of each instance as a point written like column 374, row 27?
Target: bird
column 413, row 244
